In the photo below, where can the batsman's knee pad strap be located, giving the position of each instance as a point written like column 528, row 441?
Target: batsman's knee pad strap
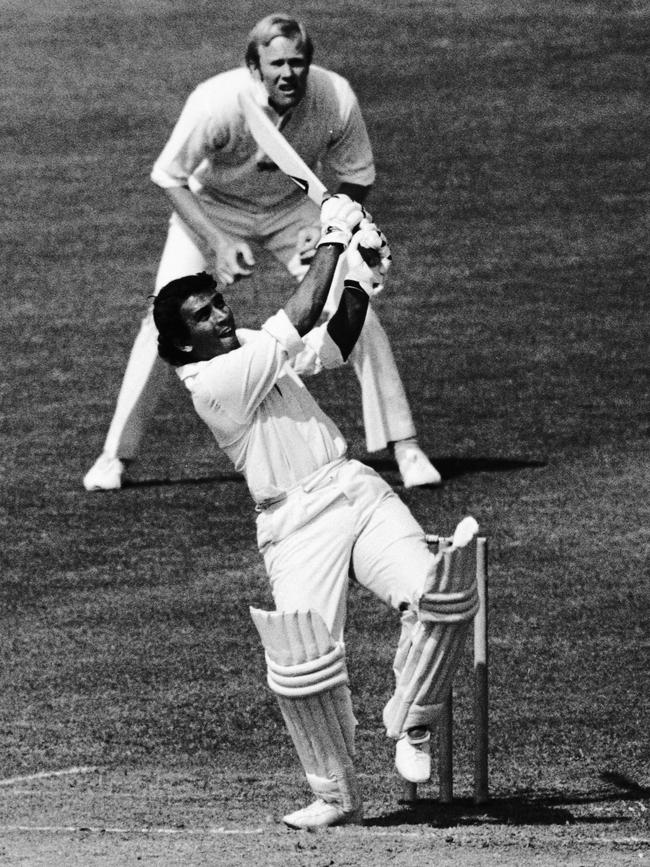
column 449, row 607
column 310, row 677
column 306, row 670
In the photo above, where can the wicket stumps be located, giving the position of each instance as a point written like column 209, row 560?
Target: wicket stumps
column 445, row 723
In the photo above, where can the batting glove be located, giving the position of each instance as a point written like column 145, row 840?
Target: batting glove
column 340, row 216
column 369, row 259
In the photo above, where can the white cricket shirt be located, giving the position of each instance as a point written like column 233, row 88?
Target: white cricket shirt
column 259, row 410
column 212, row 151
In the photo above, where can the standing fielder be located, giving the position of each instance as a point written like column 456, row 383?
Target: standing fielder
column 225, row 195
column 321, row 516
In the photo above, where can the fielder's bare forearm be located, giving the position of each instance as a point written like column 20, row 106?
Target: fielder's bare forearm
column 354, row 191
column 188, row 207
column 306, row 304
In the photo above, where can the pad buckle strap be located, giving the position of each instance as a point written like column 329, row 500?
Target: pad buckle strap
column 449, row 607
column 310, row 677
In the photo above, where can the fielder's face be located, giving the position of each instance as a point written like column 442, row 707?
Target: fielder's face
column 283, row 71
column 210, row 324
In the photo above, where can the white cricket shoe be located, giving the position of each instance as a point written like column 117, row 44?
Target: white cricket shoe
column 106, row 474
column 413, row 755
column 414, row 466
column 320, row 814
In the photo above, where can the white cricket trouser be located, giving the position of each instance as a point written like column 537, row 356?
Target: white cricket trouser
column 386, row 413
column 344, row 515
column 345, row 520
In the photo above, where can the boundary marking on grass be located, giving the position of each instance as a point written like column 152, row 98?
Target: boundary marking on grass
column 251, row 832
column 100, row 829
column 42, row 775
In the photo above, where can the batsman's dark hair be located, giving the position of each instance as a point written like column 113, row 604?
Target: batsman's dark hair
column 274, row 25
column 167, row 315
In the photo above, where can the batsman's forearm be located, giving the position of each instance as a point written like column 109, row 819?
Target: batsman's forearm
column 345, row 325
column 306, row 304
column 188, row 207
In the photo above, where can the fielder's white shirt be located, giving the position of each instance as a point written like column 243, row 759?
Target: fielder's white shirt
column 212, row 151
column 259, row 410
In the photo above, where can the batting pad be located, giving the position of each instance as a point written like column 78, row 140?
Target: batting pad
column 425, row 665
column 306, row 670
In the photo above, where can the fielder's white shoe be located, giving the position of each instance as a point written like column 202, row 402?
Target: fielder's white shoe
column 106, row 474
column 413, row 755
column 320, row 814
column 414, row 466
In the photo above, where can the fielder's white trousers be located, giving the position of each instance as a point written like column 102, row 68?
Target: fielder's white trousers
column 343, row 518
column 386, row 412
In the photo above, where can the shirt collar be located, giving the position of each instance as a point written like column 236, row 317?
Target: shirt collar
column 244, row 335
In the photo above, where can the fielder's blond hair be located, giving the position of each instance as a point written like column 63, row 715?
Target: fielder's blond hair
column 274, row 25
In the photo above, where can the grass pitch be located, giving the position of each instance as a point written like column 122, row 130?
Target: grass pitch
column 511, row 147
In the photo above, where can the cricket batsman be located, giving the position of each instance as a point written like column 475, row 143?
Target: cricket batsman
column 321, row 517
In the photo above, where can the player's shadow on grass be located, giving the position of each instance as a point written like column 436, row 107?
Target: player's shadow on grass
column 451, row 468
column 212, row 479
column 523, row 809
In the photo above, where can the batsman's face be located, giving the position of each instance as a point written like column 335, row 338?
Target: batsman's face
column 210, row 324
column 283, row 71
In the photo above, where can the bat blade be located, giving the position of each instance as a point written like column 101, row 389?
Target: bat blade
column 275, row 146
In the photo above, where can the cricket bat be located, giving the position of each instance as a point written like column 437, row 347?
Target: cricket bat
column 277, row 148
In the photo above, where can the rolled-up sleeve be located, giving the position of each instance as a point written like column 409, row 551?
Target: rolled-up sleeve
column 279, row 326
column 319, row 352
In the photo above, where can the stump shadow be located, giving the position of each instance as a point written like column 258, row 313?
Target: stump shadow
column 524, row 808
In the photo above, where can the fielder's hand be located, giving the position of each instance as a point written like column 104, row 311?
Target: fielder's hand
column 340, row 216
column 369, row 259
column 306, row 242
column 234, row 260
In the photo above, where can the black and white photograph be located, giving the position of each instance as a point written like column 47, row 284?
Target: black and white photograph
column 325, row 423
